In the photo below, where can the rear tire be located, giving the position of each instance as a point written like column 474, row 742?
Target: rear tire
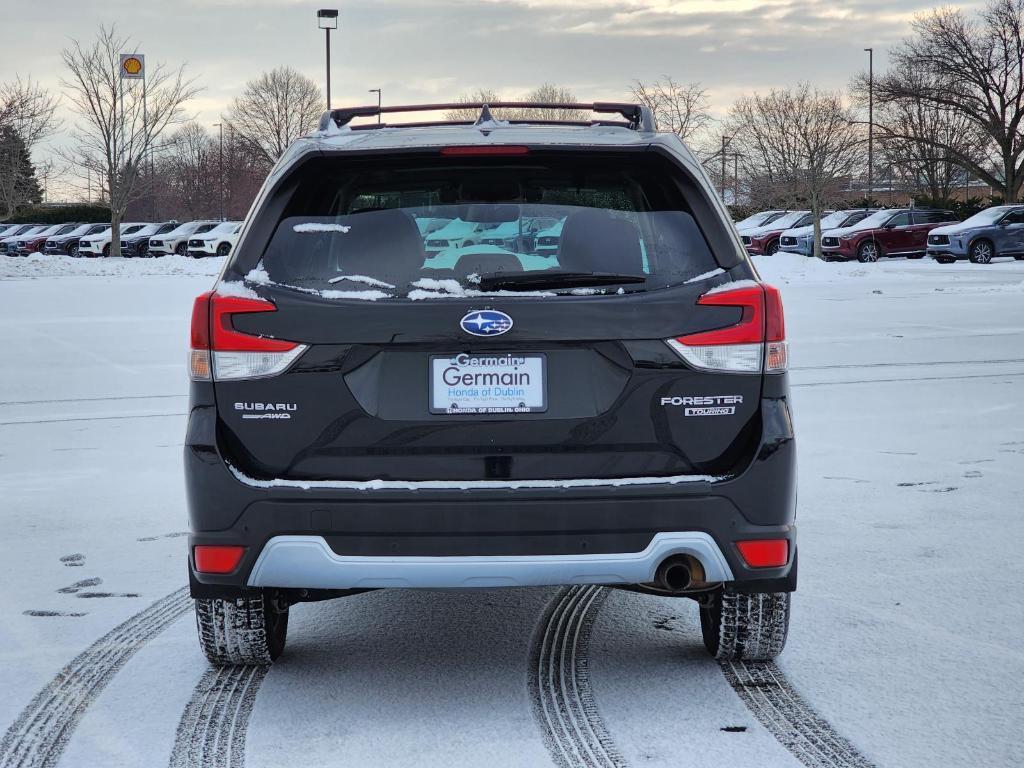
column 249, row 630
column 739, row 626
column 868, row 251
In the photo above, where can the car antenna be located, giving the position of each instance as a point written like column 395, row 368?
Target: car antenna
column 486, row 121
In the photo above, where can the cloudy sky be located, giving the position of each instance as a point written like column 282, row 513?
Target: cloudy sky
column 434, row 51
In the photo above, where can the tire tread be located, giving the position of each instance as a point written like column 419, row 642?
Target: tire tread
column 234, row 631
column 749, row 626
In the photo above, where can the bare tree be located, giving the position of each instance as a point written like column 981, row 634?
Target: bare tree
column 757, row 129
column 544, row 94
column 273, row 110
column 678, row 108
column 805, row 139
column 975, row 70
column 190, row 172
column 27, row 117
column 479, row 96
column 911, row 132
column 116, row 131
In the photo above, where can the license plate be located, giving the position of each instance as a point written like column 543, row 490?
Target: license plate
column 487, row 383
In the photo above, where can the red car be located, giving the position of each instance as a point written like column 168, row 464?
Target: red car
column 764, row 241
column 894, row 232
column 37, row 241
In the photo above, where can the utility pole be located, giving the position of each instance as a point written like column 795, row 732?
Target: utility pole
column 725, row 143
column 871, row 121
column 735, row 178
column 220, row 170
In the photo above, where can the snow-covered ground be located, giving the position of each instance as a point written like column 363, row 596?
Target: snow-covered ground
column 906, row 629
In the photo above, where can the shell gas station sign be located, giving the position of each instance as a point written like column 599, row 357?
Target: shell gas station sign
column 133, row 66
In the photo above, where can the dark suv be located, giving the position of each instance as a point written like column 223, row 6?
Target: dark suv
column 366, row 414
column 893, row 232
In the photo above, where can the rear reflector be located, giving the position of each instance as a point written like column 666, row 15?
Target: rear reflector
column 218, row 559
column 764, row 553
column 220, row 351
column 484, row 151
column 757, row 342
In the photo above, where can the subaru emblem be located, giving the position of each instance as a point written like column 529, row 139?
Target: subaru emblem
column 486, row 322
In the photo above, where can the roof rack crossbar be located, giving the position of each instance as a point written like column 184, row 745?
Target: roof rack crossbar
column 639, row 117
column 442, row 123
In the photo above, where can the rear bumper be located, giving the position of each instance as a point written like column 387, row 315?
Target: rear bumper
column 308, row 562
column 323, row 537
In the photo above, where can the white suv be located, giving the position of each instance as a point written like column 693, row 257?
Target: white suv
column 176, row 241
column 99, row 244
column 215, row 242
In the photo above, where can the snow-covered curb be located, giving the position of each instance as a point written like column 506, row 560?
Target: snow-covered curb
column 39, row 265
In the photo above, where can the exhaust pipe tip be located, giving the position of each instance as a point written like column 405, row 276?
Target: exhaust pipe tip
column 674, row 574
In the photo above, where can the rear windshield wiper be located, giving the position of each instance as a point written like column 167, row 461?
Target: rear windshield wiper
column 527, row 281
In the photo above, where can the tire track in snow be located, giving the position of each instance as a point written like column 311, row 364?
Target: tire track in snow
column 39, row 735
column 213, row 726
column 559, row 683
column 771, row 699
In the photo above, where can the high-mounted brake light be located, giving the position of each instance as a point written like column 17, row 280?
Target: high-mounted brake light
column 481, row 151
column 220, row 351
column 217, row 558
column 764, row 553
column 756, row 343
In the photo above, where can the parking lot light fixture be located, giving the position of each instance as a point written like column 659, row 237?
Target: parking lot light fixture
column 327, row 19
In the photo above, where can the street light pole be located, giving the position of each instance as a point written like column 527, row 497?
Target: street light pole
column 327, row 19
column 871, row 121
column 377, row 91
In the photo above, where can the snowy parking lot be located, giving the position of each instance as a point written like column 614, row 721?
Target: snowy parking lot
column 905, row 641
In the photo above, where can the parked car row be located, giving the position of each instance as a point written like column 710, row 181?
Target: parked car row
column 528, row 234
column 869, row 234
column 195, row 238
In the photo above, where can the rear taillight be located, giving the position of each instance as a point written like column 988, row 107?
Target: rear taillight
column 764, row 553
column 756, row 343
column 221, row 352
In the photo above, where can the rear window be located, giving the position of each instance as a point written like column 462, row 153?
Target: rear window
column 454, row 227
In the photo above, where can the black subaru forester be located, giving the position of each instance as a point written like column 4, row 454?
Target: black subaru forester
column 368, row 414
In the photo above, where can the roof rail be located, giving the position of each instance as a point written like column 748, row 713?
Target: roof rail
column 638, row 116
